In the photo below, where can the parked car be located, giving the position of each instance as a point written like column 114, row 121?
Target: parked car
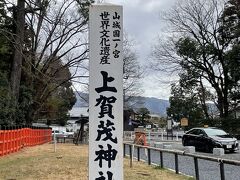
column 65, row 134
column 59, row 133
column 206, row 139
column 69, row 134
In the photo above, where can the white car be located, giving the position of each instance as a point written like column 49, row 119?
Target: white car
column 59, row 133
column 65, row 134
column 69, row 134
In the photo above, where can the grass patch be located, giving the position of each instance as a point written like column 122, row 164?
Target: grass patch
column 191, row 178
column 69, row 162
column 159, row 167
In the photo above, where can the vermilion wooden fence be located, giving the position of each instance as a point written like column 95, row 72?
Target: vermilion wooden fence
column 12, row 140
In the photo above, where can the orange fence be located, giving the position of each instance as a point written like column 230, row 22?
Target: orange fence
column 14, row 139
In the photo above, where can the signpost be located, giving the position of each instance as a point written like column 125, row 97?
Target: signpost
column 169, row 128
column 184, row 123
column 55, row 141
column 169, row 124
column 106, row 92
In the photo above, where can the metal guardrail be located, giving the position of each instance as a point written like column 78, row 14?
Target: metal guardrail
column 153, row 136
column 222, row 162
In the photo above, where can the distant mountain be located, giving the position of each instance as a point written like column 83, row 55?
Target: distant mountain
column 82, row 99
column 154, row 105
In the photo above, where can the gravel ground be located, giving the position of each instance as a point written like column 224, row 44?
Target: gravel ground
column 208, row 170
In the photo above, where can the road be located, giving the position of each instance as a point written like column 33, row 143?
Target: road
column 208, row 170
column 178, row 145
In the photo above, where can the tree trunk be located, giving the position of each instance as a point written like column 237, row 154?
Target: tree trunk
column 18, row 52
column 202, row 96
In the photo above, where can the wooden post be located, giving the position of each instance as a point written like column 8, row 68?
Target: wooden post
column 105, row 84
column 55, row 142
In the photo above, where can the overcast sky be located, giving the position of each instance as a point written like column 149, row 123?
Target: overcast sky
column 142, row 23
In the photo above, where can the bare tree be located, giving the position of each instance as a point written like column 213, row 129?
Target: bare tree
column 55, row 40
column 132, row 72
column 194, row 46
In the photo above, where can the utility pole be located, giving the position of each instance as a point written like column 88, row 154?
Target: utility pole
column 18, row 52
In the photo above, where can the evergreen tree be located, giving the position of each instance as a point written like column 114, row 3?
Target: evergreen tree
column 185, row 104
column 230, row 32
column 6, row 52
